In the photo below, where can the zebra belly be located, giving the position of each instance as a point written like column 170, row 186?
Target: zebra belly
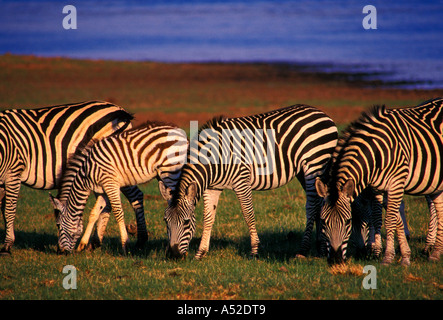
column 268, row 182
column 124, row 178
column 39, row 181
column 426, row 181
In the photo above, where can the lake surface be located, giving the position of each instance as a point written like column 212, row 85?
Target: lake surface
column 406, row 49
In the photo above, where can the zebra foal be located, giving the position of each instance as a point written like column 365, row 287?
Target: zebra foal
column 394, row 151
column 258, row 152
column 36, row 145
column 129, row 158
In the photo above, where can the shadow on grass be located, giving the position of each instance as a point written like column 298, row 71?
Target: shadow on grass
column 277, row 246
column 273, row 245
column 38, row 241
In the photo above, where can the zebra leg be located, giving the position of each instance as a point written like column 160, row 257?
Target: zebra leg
column 313, row 207
column 9, row 207
column 376, row 219
column 244, row 195
column 432, row 228
column 97, row 238
column 112, row 190
column 438, row 248
column 93, row 217
column 210, row 198
column 135, row 197
column 395, row 223
column 403, row 218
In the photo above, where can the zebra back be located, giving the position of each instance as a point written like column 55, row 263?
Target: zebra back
column 46, row 138
column 276, row 146
column 132, row 155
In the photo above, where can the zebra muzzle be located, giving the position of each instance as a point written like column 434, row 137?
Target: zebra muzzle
column 335, row 256
column 174, row 252
column 62, row 251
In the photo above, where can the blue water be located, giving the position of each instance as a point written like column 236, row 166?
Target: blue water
column 406, row 47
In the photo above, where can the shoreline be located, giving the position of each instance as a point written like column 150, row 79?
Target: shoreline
column 370, row 74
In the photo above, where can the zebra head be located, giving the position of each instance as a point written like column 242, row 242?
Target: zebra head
column 336, row 218
column 69, row 228
column 179, row 217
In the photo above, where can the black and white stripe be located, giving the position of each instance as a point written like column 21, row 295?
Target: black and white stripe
column 36, row 144
column 367, row 222
column 126, row 159
column 258, row 152
column 395, row 151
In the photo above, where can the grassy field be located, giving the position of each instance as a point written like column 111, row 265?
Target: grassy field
column 179, row 93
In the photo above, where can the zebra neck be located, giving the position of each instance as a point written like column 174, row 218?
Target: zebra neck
column 76, row 201
column 198, row 173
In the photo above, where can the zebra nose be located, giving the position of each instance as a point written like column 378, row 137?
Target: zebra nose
column 175, row 251
column 62, row 251
column 335, row 255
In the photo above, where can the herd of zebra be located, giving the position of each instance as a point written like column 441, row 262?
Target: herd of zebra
column 91, row 146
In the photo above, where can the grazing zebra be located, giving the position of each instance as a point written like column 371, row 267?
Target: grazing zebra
column 395, row 151
column 128, row 158
column 36, row 144
column 258, row 152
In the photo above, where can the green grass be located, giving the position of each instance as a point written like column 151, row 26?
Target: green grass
column 34, row 270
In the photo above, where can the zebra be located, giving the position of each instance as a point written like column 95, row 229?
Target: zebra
column 393, row 151
column 36, row 144
column 129, row 158
column 267, row 151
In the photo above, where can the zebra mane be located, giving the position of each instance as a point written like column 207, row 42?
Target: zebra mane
column 210, row 124
column 357, row 126
column 368, row 116
column 213, row 123
column 73, row 166
column 153, row 124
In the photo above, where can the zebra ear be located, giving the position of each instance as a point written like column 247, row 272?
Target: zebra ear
column 322, row 188
column 348, row 188
column 165, row 191
column 191, row 191
column 56, row 203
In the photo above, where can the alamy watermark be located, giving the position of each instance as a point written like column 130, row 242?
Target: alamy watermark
column 370, row 20
column 70, row 280
column 370, row 281
column 232, row 146
column 70, row 20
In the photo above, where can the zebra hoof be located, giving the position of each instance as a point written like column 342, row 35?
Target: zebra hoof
column 253, row 256
column 81, row 247
column 405, row 262
column 200, row 255
column 435, row 256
